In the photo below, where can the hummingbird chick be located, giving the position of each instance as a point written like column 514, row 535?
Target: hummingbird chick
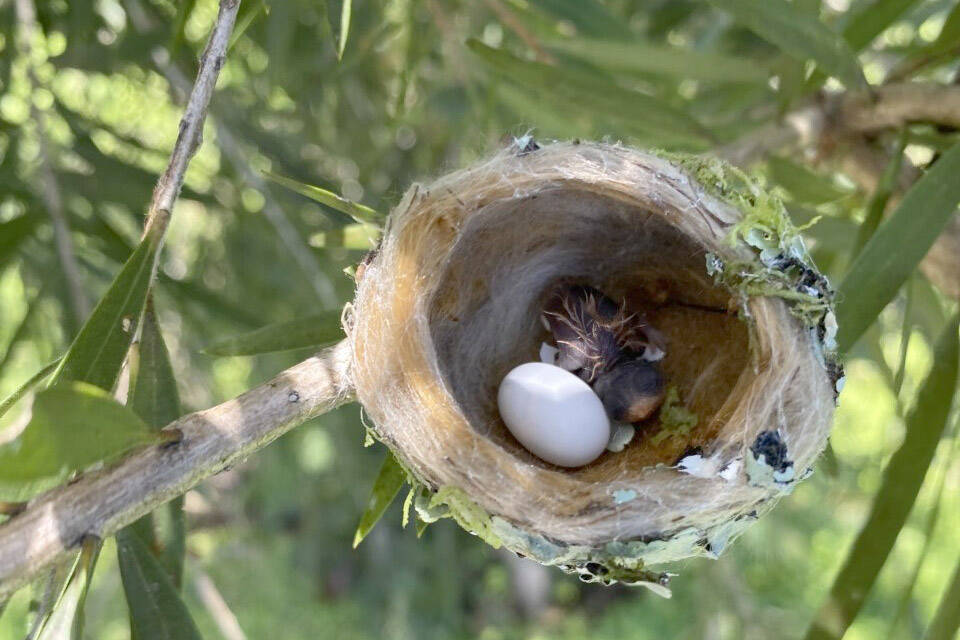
column 608, row 349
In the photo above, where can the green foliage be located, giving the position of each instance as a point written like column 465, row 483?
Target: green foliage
column 798, row 34
column 151, row 551
column 66, row 620
column 901, row 481
column 357, row 211
column 896, row 248
column 317, row 330
column 74, row 425
column 390, row 479
column 156, row 610
column 98, row 351
column 361, row 99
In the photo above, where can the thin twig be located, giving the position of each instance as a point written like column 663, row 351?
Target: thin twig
column 191, row 125
column 217, row 607
column 50, row 193
column 213, row 440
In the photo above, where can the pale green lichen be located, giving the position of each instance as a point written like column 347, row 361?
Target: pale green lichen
column 453, row 502
column 676, row 420
column 780, row 267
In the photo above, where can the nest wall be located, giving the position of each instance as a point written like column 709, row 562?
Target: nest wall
column 451, row 302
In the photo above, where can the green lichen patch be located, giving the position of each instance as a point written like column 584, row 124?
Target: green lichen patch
column 453, row 502
column 780, row 265
column 676, row 420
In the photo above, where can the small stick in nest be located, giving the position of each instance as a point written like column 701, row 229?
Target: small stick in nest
column 609, row 349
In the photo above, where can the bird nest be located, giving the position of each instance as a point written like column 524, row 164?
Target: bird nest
column 452, row 300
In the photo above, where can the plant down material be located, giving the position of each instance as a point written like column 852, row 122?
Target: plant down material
column 451, row 303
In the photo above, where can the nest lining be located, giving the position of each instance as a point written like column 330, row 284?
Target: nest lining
column 452, row 302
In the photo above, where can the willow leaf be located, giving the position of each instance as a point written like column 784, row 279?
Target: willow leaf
column 385, row 488
column 902, row 479
column 897, row 247
column 317, row 330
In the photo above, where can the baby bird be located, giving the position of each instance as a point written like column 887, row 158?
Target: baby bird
column 608, row 349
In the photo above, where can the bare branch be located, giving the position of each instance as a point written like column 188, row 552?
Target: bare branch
column 50, row 192
column 102, row 502
column 191, row 125
column 895, row 105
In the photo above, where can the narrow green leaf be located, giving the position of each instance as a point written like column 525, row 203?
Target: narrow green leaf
column 906, row 597
column 802, row 183
column 154, row 397
column 249, row 11
column 881, row 196
column 98, row 351
column 358, row 212
column 897, row 247
column 36, row 379
column 946, row 621
column 345, row 11
column 13, row 233
column 572, row 89
column 798, row 34
column 311, row 331
column 66, row 619
column 673, row 62
column 385, row 488
column 156, row 610
column 892, row 504
column 73, row 426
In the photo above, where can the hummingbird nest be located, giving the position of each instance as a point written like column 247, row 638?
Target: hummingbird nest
column 452, row 301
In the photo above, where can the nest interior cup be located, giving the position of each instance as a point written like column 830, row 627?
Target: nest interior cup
column 451, row 303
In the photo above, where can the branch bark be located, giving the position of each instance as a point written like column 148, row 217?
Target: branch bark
column 100, row 503
column 895, row 105
column 195, row 113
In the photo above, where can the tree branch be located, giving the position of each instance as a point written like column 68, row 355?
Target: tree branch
column 191, row 125
column 895, row 105
column 100, row 503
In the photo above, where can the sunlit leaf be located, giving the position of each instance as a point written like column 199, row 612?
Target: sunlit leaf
column 156, row 610
column 98, row 351
column 73, row 426
column 385, row 488
column 66, row 620
column 676, row 62
column 311, row 331
column 892, row 503
column 798, row 34
column 577, row 90
column 345, row 11
column 802, row 183
column 357, row 211
column 897, row 247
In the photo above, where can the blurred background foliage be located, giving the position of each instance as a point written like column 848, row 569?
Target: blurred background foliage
column 89, row 110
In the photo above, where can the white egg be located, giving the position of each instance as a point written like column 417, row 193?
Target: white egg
column 554, row 414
